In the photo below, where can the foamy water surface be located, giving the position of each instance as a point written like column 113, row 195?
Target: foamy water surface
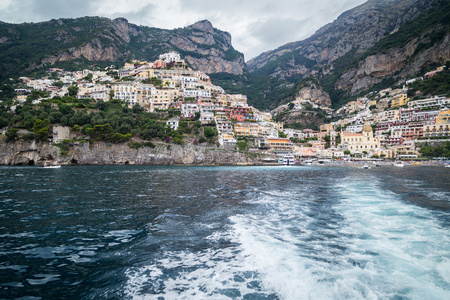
column 225, row 233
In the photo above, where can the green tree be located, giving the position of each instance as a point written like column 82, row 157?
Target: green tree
column 42, row 129
column 242, row 145
column 427, row 151
column 88, row 77
column 58, row 84
column 73, row 90
column 282, row 135
column 210, row 131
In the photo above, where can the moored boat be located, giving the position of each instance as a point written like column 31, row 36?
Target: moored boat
column 399, row 164
column 51, row 166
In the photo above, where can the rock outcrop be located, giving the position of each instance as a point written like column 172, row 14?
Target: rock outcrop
column 397, row 60
column 314, row 93
column 99, row 153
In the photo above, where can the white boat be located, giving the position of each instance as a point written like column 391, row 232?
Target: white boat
column 366, row 167
column 51, row 166
column 308, row 162
column 399, row 164
column 288, row 160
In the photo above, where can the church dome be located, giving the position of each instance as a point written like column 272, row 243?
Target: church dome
column 367, row 128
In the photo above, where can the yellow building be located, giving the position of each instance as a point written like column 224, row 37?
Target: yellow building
column 144, row 95
column 435, row 130
column 441, row 126
column 145, row 73
column 399, row 100
column 21, row 98
column 359, row 142
column 326, row 128
column 246, row 129
column 280, row 145
column 162, row 98
column 443, row 117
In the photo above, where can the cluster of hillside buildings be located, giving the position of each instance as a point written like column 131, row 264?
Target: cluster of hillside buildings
column 384, row 127
column 391, row 124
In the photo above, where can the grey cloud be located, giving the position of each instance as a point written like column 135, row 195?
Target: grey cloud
column 143, row 16
column 42, row 10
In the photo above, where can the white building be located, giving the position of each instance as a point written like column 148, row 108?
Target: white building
column 434, row 102
column 196, row 93
column 170, row 57
column 188, row 109
column 206, row 113
column 173, row 123
column 355, row 128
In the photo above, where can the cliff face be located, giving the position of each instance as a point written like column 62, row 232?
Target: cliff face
column 303, row 118
column 26, row 153
column 29, row 46
column 376, row 41
column 314, row 93
column 374, row 68
column 359, row 28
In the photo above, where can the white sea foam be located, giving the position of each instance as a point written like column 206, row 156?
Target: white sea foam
column 368, row 244
column 405, row 243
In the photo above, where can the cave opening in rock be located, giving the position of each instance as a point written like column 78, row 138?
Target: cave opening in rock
column 31, row 163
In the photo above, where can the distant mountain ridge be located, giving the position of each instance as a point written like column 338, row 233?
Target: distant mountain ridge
column 376, row 42
column 369, row 46
column 360, row 28
column 30, row 46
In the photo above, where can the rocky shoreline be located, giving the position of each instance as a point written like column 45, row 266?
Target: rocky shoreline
column 101, row 153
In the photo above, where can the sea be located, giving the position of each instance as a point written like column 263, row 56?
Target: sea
column 225, row 232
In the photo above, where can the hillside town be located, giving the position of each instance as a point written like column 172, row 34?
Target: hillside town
column 383, row 124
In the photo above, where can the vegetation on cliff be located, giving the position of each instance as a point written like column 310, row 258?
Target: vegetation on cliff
column 439, row 84
column 110, row 121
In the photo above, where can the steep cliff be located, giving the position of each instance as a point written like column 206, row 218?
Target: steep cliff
column 429, row 48
column 378, row 41
column 315, row 93
column 360, row 28
column 28, row 46
column 99, row 153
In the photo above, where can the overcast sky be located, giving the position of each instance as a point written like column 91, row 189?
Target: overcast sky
column 256, row 26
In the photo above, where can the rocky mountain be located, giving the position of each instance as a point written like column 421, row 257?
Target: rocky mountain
column 84, row 41
column 372, row 45
column 357, row 29
column 375, row 43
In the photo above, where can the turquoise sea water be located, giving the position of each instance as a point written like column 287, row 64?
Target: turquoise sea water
column 147, row 232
